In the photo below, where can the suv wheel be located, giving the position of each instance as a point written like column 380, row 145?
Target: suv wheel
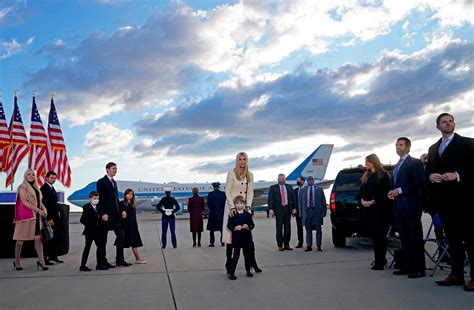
column 338, row 238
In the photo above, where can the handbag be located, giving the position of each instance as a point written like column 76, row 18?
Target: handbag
column 46, row 231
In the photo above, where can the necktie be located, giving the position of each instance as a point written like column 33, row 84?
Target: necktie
column 396, row 169
column 310, row 204
column 442, row 146
column 282, row 192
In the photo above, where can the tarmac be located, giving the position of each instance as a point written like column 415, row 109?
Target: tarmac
column 195, row 278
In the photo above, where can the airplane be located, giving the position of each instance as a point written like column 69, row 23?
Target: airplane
column 147, row 194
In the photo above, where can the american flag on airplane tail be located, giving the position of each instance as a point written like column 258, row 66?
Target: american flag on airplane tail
column 317, row 162
column 4, row 137
column 18, row 145
column 39, row 157
column 57, row 148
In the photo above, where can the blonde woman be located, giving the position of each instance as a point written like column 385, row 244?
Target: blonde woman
column 28, row 211
column 239, row 183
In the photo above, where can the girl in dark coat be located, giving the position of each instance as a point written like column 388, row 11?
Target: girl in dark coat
column 195, row 208
column 130, row 227
column 376, row 208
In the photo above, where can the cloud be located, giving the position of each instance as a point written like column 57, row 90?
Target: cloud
column 183, row 54
column 398, row 88
column 256, row 163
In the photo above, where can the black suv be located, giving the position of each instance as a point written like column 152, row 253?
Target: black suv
column 345, row 213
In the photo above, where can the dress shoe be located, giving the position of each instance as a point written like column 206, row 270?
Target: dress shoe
column 199, row 244
column 288, row 248
column 102, row 267
column 257, row 270
column 417, row 274
column 84, row 268
column 450, row 281
column 280, row 248
column 231, row 277
column 320, row 249
column 194, row 244
column 379, row 266
column 222, row 243
column 211, row 245
column 299, row 246
column 123, row 264
column 56, row 260
column 109, row 265
column 469, row 287
column 308, row 248
column 249, row 274
column 48, row 263
column 402, row 272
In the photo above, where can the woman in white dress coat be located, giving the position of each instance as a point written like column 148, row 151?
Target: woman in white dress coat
column 239, row 182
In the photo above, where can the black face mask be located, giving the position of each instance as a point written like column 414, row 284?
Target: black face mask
column 168, row 194
column 299, row 183
column 310, row 182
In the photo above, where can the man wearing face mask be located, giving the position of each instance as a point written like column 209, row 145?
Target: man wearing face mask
column 168, row 206
column 281, row 204
column 92, row 232
column 312, row 207
column 299, row 225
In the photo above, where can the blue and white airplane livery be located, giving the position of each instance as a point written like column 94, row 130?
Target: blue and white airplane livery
column 148, row 194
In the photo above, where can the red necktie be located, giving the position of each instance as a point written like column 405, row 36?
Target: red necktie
column 282, row 192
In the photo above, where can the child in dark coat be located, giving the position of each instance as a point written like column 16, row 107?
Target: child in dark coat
column 92, row 230
column 241, row 225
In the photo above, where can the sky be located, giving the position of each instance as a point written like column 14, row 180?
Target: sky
column 172, row 90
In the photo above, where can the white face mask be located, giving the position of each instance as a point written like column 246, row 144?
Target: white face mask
column 95, row 202
column 239, row 206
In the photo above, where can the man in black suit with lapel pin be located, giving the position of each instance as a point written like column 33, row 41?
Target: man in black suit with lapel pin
column 111, row 213
column 450, row 174
column 407, row 186
column 281, row 204
column 50, row 201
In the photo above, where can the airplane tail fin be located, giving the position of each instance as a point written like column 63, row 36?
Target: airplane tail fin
column 315, row 164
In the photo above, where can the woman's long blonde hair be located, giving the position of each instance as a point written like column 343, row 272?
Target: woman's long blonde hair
column 379, row 170
column 27, row 185
column 246, row 170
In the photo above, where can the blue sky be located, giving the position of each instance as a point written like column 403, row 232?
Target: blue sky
column 170, row 90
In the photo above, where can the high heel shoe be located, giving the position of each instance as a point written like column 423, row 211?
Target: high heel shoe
column 38, row 265
column 194, row 244
column 16, row 268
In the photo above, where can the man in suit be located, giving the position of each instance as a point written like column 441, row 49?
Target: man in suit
column 407, row 186
column 216, row 203
column 110, row 212
column 50, row 201
column 92, row 231
column 450, row 174
column 281, row 205
column 299, row 225
column 312, row 207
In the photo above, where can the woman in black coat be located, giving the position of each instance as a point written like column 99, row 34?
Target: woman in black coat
column 130, row 226
column 376, row 208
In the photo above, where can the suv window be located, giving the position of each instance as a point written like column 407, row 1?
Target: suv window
column 348, row 182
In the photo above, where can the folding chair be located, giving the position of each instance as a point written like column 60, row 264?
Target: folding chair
column 392, row 236
column 441, row 250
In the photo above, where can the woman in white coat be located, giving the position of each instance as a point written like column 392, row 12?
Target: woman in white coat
column 239, row 182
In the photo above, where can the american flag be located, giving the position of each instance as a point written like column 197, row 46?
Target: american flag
column 57, row 148
column 39, row 157
column 4, row 137
column 317, row 162
column 18, row 145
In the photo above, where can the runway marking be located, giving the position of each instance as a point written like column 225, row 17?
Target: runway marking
column 166, row 268
column 178, row 271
